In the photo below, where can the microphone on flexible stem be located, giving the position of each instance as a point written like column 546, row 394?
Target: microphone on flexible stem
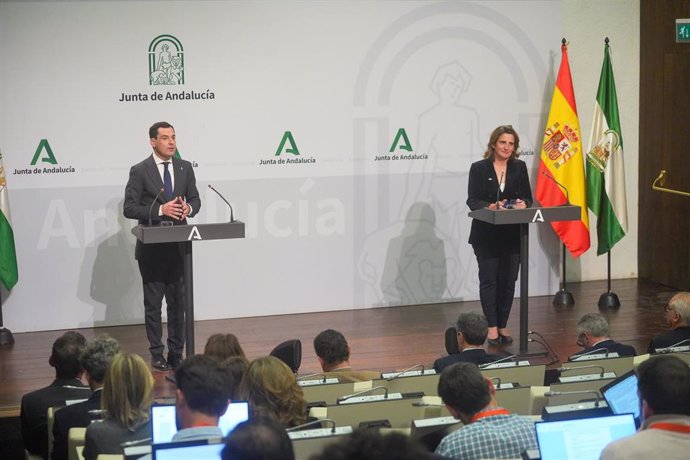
column 545, row 344
column 416, row 366
column 596, row 351
column 507, row 358
column 330, row 421
column 567, row 195
column 360, row 393
column 550, row 394
column 498, row 191
column 567, row 369
column 308, row 376
column 154, row 202
column 232, row 218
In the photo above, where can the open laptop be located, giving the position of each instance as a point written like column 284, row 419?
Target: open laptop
column 581, row 439
column 621, row 395
column 164, row 427
column 187, row 450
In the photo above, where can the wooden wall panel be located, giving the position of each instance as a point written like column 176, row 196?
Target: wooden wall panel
column 664, row 219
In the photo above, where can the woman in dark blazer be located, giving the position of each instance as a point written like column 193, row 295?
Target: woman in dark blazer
column 499, row 181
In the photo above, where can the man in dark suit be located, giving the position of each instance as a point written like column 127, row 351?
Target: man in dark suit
column 66, row 386
column 593, row 336
column 472, row 329
column 162, row 191
column 678, row 318
column 95, row 360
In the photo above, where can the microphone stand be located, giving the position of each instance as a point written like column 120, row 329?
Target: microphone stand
column 563, row 297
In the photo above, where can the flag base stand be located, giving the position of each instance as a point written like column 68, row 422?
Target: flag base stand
column 6, row 337
column 563, row 298
column 609, row 300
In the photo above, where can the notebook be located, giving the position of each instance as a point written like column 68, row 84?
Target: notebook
column 187, row 450
column 621, row 395
column 581, row 439
column 164, row 427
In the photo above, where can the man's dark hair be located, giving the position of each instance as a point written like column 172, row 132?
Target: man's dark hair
column 260, row 438
column 664, row 382
column 205, row 383
column 153, row 130
column 367, row 444
column 65, row 355
column 331, row 346
column 474, row 327
column 97, row 355
column 462, row 387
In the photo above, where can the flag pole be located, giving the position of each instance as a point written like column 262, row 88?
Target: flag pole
column 6, row 337
column 563, row 297
column 609, row 299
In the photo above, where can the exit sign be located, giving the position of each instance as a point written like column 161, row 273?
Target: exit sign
column 682, row 30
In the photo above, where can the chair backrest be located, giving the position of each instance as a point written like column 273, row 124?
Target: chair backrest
column 452, row 341
column 75, row 438
column 289, row 352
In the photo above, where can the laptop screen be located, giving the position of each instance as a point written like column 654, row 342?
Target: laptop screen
column 164, row 427
column 621, row 395
column 581, row 439
column 197, row 450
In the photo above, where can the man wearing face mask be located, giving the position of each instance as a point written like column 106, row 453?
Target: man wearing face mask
column 593, row 336
column 678, row 318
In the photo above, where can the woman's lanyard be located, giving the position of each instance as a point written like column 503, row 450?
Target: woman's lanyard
column 489, row 413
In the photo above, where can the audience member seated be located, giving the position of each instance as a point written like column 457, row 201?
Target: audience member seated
column 223, row 346
column 664, row 391
column 66, row 386
column 272, row 390
column 333, row 353
column 237, row 365
column 490, row 431
column 95, row 360
column 126, row 400
column 472, row 331
column 678, row 318
column 261, row 438
column 593, row 335
column 370, row 444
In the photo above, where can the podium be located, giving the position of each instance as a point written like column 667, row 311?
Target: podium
column 525, row 217
column 188, row 234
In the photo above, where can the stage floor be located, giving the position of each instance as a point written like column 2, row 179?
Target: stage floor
column 384, row 339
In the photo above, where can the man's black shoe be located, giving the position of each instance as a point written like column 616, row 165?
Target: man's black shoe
column 174, row 360
column 159, row 363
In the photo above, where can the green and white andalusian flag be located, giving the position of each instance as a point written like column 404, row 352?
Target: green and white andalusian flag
column 8, row 256
column 605, row 168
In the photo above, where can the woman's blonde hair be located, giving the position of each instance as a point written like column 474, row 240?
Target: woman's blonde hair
column 223, row 346
column 272, row 390
column 127, row 390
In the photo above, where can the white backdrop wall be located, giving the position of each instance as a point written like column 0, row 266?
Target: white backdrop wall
column 349, row 219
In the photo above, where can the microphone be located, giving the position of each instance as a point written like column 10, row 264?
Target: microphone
column 154, row 202
column 232, row 218
column 507, row 358
column 550, row 394
column 416, row 366
column 313, row 422
column 498, row 382
column 567, row 195
column 545, row 344
column 305, row 377
column 591, row 352
column 672, row 348
column 498, row 190
column 136, row 442
column 566, row 369
column 360, row 393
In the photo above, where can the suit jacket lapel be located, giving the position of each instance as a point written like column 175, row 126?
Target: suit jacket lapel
column 155, row 177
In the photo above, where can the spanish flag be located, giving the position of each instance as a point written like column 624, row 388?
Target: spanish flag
column 562, row 161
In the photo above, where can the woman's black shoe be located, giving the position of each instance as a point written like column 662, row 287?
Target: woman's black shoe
column 494, row 342
column 505, row 339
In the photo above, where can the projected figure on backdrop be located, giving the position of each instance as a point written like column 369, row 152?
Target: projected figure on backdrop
column 166, row 61
column 449, row 133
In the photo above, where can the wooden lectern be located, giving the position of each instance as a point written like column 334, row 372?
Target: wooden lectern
column 525, row 217
column 187, row 234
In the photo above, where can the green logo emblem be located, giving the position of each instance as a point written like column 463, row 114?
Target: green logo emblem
column 166, row 61
column 48, row 157
column 287, row 139
column 401, row 137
